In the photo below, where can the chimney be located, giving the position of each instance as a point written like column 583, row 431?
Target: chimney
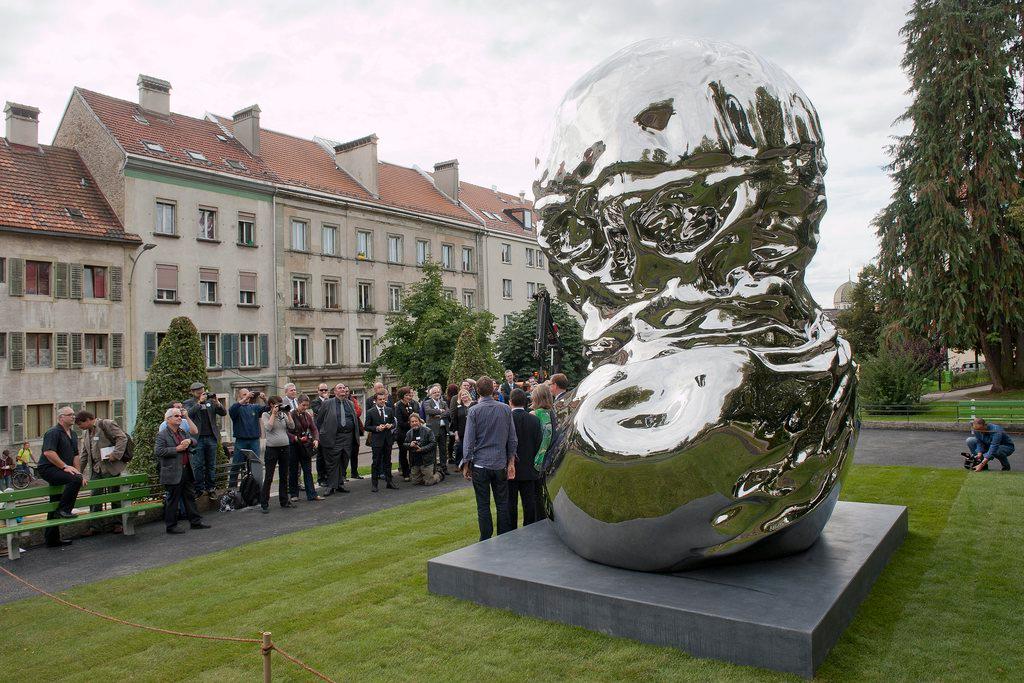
column 522, row 196
column 358, row 158
column 446, row 178
column 247, row 128
column 154, row 95
column 22, row 124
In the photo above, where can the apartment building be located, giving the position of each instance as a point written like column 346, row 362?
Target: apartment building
column 203, row 203
column 64, row 255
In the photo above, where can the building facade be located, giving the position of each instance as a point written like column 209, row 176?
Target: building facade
column 63, row 296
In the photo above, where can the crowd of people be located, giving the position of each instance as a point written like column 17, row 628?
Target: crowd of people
column 495, row 435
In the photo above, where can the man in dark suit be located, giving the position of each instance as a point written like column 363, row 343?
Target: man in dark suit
column 171, row 449
column 339, row 436
column 323, row 392
column 380, row 424
column 527, row 482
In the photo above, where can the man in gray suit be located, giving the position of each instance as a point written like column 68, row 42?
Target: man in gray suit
column 176, row 473
column 339, row 437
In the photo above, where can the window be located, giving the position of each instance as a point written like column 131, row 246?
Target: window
column 507, row 320
column 207, row 223
column 529, row 257
column 468, row 298
column 329, row 239
column 208, row 278
column 73, row 212
column 364, row 244
column 166, row 283
column 196, row 156
column 394, row 249
column 365, row 349
column 3, row 344
column 331, row 294
column 235, row 164
column 95, row 282
column 540, row 258
column 449, row 294
column 300, row 349
column 447, row 256
column 37, row 350
column 154, row 147
column 365, row 292
column 38, row 418
column 247, row 229
column 300, row 235
column 300, row 291
column 506, row 289
column 101, row 409
column 165, row 219
column 247, row 289
column 94, row 350
column 3, row 270
column 422, row 252
column 528, row 220
column 247, row 350
column 467, row 260
column 141, row 119
column 394, row 298
column 531, row 289
column 331, row 346
column 5, row 420
column 37, row 277
column 210, row 341
column 506, row 253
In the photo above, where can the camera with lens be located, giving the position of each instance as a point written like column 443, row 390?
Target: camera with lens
column 284, row 407
column 972, row 461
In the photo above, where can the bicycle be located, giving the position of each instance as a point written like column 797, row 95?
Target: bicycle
column 22, row 479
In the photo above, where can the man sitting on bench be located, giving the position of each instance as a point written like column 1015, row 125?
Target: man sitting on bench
column 991, row 442
column 60, row 466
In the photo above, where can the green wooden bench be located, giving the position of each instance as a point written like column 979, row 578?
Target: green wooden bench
column 992, row 411
column 131, row 489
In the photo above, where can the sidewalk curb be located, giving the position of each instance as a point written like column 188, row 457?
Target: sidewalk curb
column 1013, row 427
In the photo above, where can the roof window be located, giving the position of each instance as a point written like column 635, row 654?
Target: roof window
column 73, row 212
column 237, row 165
column 154, row 147
column 222, row 138
column 141, row 119
column 196, row 156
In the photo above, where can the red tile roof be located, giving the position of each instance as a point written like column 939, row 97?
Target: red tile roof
column 482, row 199
column 408, row 188
column 177, row 134
column 39, row 185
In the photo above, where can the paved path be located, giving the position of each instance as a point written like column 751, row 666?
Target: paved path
column 109, row 555
column 910, row 447
column 956, row 394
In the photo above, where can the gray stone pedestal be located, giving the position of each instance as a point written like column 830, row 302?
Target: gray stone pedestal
column 783, row 614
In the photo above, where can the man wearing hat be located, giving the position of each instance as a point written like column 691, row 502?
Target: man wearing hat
column 203, row 408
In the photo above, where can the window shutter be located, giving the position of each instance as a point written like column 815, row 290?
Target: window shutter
column 227, row 351
column 264, row 350
column 76, row 279
column 16, row 276
column 18, row 424
column 117, row 350
column 63, row 355
column 60, row 280
column 17, row 353
column 116, row 279
column 76, row 349
column 119, row 412
column 150, row 349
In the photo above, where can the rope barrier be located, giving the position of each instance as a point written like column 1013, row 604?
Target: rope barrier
column 266, row 646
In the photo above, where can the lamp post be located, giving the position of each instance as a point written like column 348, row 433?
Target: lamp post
column 131, row 399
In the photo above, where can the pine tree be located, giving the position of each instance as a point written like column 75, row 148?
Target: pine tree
column 179, row 362
column 862, row 323
column 470, row 360
column 516, row 341
column 946, row 236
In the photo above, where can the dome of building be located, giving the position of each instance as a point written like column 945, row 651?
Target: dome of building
column 844, row 296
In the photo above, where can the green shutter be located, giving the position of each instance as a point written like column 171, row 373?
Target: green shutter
column 150, row 349
column 62, row 357
column 116, row 282
column 76, row 278
column 18, row 425
column 264, row 350
column 76, row 349
column 60, row 280
column 118, row 412
column 229, row 350
column 117, row 350
column 17, row 353
column 16, row 276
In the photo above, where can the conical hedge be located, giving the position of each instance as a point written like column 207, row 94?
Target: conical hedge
column 469, row 360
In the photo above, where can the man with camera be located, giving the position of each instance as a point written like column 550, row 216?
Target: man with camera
column 991, row 442
column 203, row 409
column 422, row 447
column 245, row 419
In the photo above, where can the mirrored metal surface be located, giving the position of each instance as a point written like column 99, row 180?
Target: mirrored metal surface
column 679, row 206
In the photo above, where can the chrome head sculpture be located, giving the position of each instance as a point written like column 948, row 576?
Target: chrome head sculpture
column 679, row 207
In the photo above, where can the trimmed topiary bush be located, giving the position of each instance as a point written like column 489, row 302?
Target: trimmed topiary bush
column 470, row 360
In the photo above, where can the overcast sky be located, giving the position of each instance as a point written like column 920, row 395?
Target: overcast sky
column 472, row 80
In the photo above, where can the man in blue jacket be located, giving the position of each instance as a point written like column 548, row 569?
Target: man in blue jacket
column 245, row 419
column 991, row 441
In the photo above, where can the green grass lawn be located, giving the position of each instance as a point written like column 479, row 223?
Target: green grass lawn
column 351, row 599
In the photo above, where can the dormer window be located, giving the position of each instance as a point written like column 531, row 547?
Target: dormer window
column 196, row 156
column 154, row 147
column 73, row 212
column 237, row 165
column 141, row 119
column 528, row 220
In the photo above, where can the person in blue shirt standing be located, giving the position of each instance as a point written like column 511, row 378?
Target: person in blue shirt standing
column 245, row 419
column 991, row 442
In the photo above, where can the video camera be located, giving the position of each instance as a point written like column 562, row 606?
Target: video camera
column 972, row 461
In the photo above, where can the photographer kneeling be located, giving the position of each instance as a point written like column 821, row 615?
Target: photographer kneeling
column 991, row 442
